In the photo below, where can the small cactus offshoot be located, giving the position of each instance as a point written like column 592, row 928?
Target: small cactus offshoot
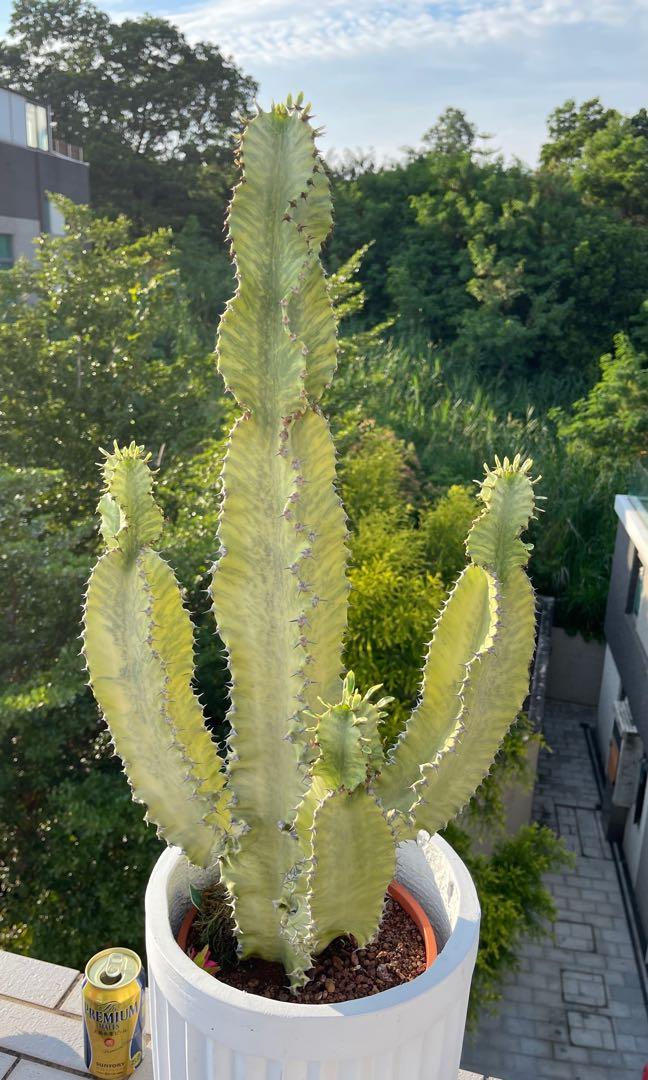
column 303, row 814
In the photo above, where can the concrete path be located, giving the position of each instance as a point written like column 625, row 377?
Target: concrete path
column 574, row 1010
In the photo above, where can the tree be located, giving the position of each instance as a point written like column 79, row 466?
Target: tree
column 613, row 168
column 605, row 153
column 95, row 335
column 609, row 427
column 589, row 453
column 570, row 126
column 444, row 527
column 507, row 272
column 154, row 114
column 453, row 133
column 111, row 346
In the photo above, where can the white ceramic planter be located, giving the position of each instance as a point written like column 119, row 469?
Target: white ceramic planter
column 205, row 1030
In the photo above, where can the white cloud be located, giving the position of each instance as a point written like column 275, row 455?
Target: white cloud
column 379, row 73
column 272, row 30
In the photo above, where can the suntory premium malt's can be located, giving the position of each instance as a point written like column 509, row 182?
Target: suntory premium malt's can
column 113, row 1013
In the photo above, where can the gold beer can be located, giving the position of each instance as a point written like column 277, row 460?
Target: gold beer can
column 113, row 1013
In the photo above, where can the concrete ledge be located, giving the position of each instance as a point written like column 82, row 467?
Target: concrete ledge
column 41, row 1037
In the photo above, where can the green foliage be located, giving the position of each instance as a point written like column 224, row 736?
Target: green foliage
column 588, row 458
column 486, row 811
column 43, row 564
column 444, row 527
column 394, row 601
column 510, row 285
column 611, row 423
column 375, row 471
column 570, row 127
column 515, row 902
column 110, row 346
column 605, row 152
column 506, row 271
column 206, row 273
column 109, row 343
column 452, row 133
column 75, row 906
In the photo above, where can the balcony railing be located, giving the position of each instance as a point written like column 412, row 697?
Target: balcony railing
column 68, row 150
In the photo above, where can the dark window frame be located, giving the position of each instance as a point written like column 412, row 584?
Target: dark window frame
column 7, row 261
column 641, row 791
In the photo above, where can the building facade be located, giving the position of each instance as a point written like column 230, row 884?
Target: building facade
column 33, row 166
column 623, row 704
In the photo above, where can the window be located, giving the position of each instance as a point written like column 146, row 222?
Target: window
column 6, row 251
column 639, row 608
column 55, row 220
column 36, row 120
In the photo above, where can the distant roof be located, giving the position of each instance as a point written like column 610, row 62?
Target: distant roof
column 632, row 512
column 26, row 97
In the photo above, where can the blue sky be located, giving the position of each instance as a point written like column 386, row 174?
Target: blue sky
column 378, row 74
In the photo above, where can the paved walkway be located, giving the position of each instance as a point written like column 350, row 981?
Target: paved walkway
column 575, row 1009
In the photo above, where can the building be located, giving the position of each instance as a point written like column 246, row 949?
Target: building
column 623, row 704
column 33, row 165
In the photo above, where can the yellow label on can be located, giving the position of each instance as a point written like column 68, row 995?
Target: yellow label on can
column 113, row 1019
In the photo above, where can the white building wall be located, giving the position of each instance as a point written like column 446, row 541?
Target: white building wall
column 23, row 232
column 6, row 133
column 635, row 839
column 610, row 692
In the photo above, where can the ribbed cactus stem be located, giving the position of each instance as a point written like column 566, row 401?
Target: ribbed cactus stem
column 279, row 588
column 138, row 643
column 476, row 673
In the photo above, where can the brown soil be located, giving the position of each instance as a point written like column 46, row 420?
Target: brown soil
column 343, row 972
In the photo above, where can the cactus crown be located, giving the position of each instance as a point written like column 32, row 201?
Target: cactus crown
column 304, row 814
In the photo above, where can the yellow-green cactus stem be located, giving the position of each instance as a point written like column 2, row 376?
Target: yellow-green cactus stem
column 304, row 816
column 138, row 643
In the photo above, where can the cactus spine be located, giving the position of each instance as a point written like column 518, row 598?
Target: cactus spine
column 304, row 814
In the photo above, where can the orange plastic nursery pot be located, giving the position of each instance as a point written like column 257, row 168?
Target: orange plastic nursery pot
column 398, row 892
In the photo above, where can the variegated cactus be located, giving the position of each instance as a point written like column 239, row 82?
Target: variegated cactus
column 304, row 814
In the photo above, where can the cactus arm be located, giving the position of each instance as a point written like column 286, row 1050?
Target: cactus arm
column 354, row 857
column 507, row 494
column 493, row 693
column 138, row 643
column 476, row 672
column 343, row 760
column 462, row 632
column 279, row 589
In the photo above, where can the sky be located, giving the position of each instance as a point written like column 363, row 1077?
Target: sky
column 379, row 74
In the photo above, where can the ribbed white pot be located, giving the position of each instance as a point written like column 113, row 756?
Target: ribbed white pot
column 205, row 1030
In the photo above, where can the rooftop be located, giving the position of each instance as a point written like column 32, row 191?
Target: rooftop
column 632, row 511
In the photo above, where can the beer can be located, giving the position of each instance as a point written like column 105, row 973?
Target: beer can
column 113, row 1013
